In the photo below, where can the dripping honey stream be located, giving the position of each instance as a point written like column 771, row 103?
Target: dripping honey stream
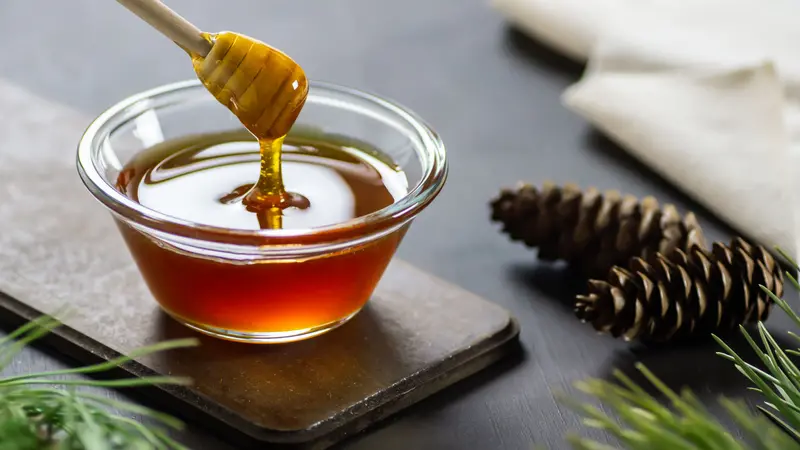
column 266, row 90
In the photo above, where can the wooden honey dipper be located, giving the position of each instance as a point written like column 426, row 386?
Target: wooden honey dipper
column 261, row 85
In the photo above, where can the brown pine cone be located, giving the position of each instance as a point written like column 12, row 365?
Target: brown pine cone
column 684, row 295
column 590, row 230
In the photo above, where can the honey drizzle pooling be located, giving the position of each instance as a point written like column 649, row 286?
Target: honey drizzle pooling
column 265, row 89
column 203, row 179
column 268, row 197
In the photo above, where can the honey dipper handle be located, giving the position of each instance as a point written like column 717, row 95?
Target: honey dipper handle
column 169, row 23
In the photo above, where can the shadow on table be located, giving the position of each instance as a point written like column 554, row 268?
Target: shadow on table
column 517, row 43
column 555, row 280
column 707, row 374
column 515, row 355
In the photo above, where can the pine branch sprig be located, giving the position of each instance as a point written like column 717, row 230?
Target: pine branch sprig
column 642, row 422
column 38, row 411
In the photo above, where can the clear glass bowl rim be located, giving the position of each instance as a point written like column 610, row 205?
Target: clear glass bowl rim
column 434, row 173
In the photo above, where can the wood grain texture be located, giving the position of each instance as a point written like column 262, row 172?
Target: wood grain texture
column 501, row 120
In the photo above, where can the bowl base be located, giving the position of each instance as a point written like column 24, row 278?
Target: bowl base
column 256, row 337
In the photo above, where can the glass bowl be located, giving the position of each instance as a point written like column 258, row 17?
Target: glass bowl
column 231, row 283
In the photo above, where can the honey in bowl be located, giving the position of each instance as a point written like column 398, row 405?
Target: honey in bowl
column 204, row 178
column 171, row 166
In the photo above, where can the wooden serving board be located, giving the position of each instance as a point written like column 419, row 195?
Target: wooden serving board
column 59, row 247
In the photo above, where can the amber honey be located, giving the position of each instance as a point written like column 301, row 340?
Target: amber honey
column 204, row 179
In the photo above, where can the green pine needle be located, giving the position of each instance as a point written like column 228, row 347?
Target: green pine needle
column 41, row 412
column 642, row 422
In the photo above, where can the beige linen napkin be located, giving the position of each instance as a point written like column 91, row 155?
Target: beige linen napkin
column 706, row 92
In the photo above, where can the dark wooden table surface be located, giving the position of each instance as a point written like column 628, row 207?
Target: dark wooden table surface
column 492, row 94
